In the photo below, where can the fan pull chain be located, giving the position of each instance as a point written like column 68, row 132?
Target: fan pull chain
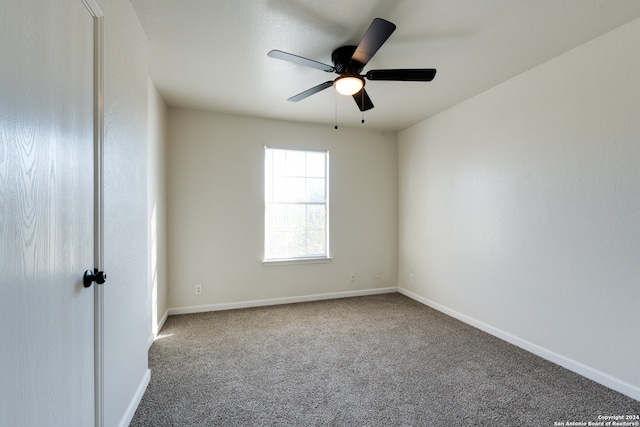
column 362, row 92
column 336, row 97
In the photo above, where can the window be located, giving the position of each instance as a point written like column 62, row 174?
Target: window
column 296, row 206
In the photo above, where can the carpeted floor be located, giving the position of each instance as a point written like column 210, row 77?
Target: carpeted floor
column 382, row 360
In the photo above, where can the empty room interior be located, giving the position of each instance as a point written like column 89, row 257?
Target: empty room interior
column 487, row 176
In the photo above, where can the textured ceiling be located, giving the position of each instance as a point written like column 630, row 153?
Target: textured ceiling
column 212, row 54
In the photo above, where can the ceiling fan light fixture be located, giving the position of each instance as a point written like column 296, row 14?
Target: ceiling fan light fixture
column 349, row 85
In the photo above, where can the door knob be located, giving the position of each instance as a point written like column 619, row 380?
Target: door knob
column 94, row 276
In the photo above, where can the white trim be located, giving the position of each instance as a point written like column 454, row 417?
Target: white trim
column 135, row 401
column 93, row 8
column 153, row 337
column 162, row 320
column 570, row 364
column 98, row 220
column 268, row 202
column 314, row 150
column 278, row 301
column 291, row 261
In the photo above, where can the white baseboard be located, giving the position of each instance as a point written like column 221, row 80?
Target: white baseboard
column 278, row 301
column 572, row 365
column 162, row 320
column 152, row 336
column 135, row 401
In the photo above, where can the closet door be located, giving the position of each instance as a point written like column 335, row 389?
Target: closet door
column 46, row 213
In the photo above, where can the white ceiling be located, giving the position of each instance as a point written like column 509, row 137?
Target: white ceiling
column 212, row 54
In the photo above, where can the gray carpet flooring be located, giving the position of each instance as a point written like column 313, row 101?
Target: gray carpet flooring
column 382, row 360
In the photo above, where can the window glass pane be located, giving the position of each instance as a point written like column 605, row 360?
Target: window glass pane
column 316, row 242
column 295, row 189
column 296, row 217
column 315, row 190
column 296, row 243
column 279, row 190
column 316, row 217
column 276, row 219
column 295, row 163
column 316, row 165
column 279, row 162
column 276, row 245
column 268, row 175
column 275, row 230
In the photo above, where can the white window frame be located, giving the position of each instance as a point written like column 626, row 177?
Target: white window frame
column 299, row 259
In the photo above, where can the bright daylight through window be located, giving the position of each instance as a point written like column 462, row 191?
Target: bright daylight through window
column 296, row 205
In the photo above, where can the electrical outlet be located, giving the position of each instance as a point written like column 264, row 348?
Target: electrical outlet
column 412, row 278
column 198, row 289
column 377, row 275
column 352, row 275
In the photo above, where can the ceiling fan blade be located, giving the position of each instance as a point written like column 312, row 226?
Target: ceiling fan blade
column 309, row 92
column 406, row 75
column 378, row 33
column 363, row 100
column 278, row 54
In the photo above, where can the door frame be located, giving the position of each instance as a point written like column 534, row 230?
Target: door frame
column 98, row 210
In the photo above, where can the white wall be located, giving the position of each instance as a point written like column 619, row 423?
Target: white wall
column 125, row 216
column 519, row 209
column 156, row 211
column 216, row 208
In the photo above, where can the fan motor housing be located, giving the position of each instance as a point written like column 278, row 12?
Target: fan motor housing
column 341, row 58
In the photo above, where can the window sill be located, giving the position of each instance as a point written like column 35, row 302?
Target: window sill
column 291, row 261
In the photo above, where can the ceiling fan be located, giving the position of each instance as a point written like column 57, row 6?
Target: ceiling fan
column 348, row 62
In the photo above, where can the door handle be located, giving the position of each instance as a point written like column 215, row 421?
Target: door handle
column 91, row 276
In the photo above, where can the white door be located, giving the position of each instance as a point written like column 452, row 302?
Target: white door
column 46, row 213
